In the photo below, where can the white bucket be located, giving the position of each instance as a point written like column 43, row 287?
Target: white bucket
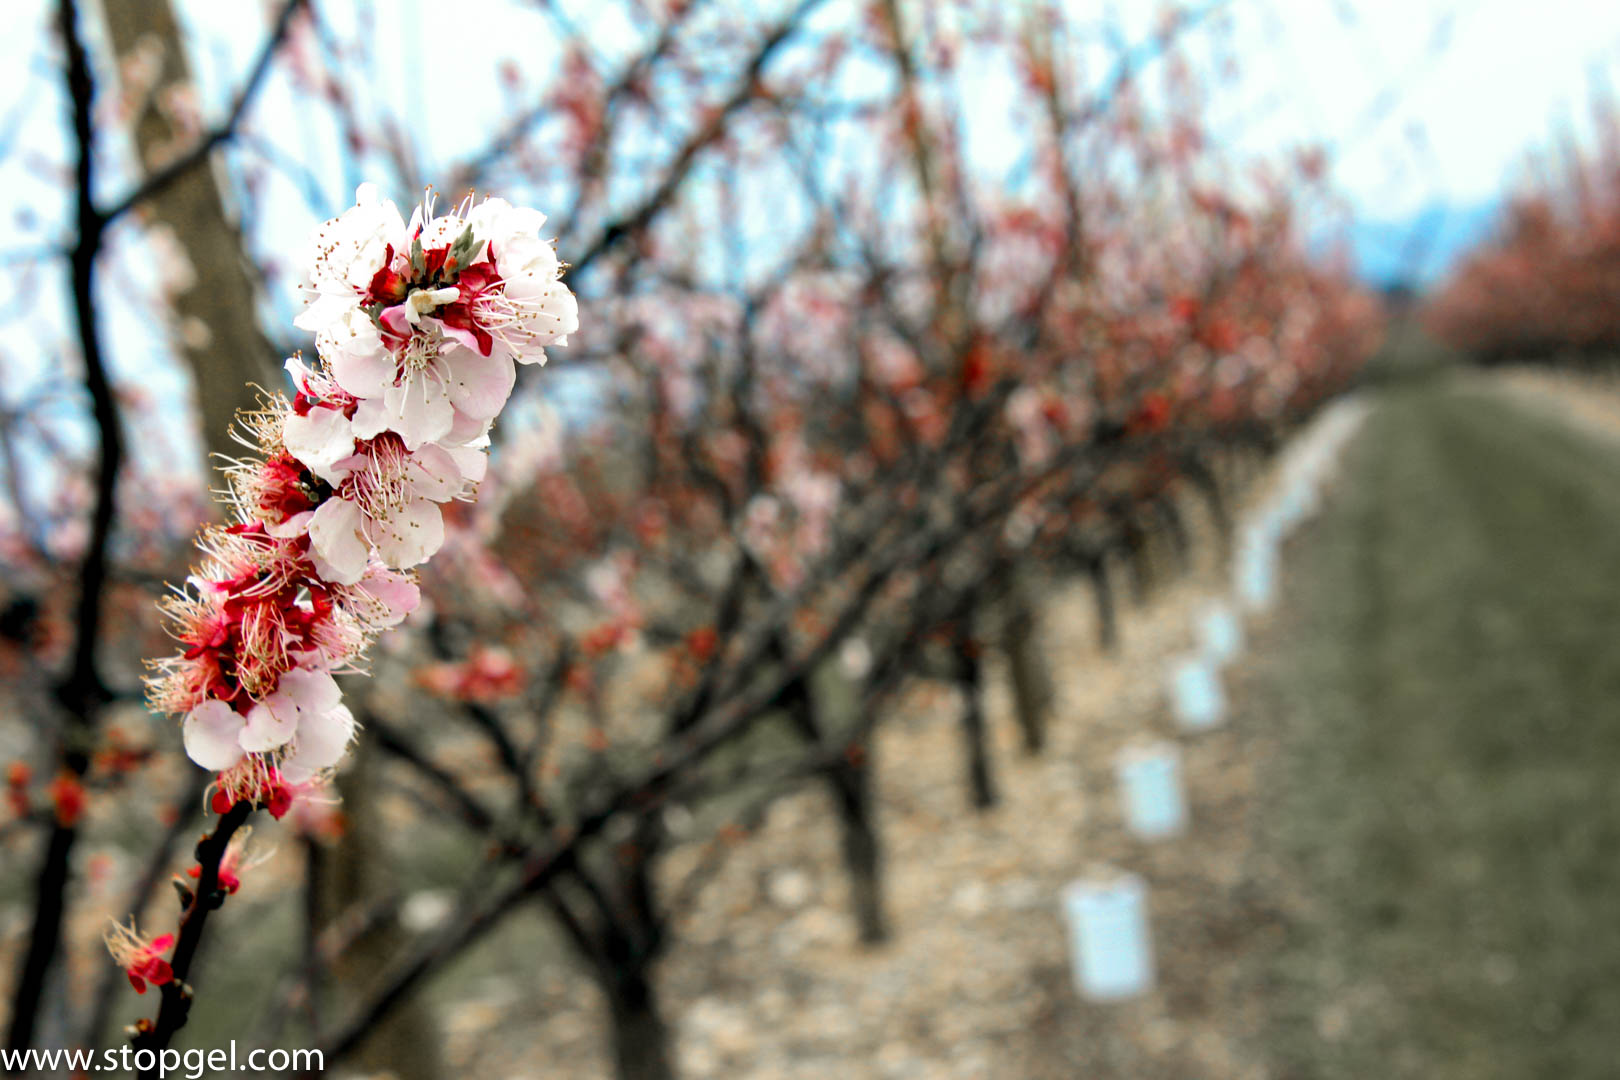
column 1108, row 937
column 1150, row 790
column 1196, row 696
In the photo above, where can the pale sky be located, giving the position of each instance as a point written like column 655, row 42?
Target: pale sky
column 1423, row 103
column 1480, row 82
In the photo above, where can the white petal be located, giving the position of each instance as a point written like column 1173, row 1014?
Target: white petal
column 319, row 439
column 355, row 352
column 327, row 310
column 370, row 418
column 410, row 536
column 212, row 734
column 311, row 691
column 335, row 534
column 270, row 723
column 297, row 525
column 479, row 385
column 420, row 410
column 434, row 473
column 322, row 740
column 472, row 461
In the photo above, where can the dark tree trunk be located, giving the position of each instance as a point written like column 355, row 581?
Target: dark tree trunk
column 975, row 733
column 1107, row 617
column 863, row 854
column 849, row 783
column 1140, row 561
column 639, row 1036
column 1208, row 484
column 1176, row 529
column 1026, row 667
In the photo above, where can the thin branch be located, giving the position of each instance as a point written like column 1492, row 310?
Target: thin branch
column 177, row 994
column 745, row 91
column 151, row 877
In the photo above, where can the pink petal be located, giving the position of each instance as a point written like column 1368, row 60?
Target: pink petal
column 419, row 410
column 435, row 473
column 297, row 525
column 396, row 321
column 471, row 461
column 461, row 336
column 465, row 429
column 397, row 595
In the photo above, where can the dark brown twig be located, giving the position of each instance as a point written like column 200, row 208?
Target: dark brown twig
column 177, row 995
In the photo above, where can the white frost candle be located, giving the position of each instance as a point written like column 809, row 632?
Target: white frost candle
column 1196, row 696
column 1150, row 789
column 1220, row 633
column 1257, row 572
column 1108, row 937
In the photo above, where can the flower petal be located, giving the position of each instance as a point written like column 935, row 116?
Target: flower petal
column 411, row 535
column 479, row 385
column 370, row 418
column 419, row 409
column 391, row 596
column 319, row 439
column 354, row 351
column 323, row 739
column 434, row 473
column 270, row 723
column 297, row 525
column 212, row 735
column 335, row 534
column 466, row 429
column 311, row 691
column 471, row 462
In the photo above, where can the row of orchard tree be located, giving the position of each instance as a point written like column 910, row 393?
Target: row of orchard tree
column 1543, row 287
column 889, row 313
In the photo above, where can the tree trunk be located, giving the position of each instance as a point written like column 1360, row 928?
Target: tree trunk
column 849, row 783
column 216, row 318
column 1176, row 529
column 1140, row 561
column 406, row 1044
column 639, row 1036
column 1107, row 616
column 863, row 854
column 1208, row 483
column 1020, row 640
column 975, row 733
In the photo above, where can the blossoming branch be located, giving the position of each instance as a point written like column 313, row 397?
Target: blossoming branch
column 418, row 328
